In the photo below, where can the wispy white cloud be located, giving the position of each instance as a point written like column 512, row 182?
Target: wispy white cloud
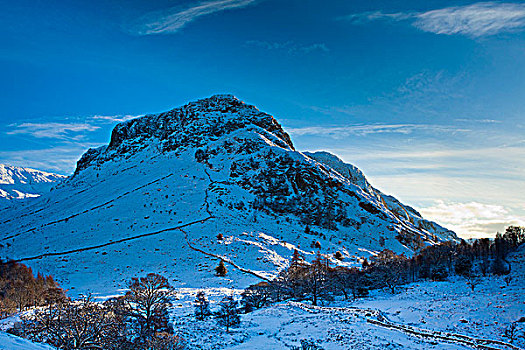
column 114, row 118
column 475, row 20
column 289, row 46
column 52, row 130
column 57, row 145
column 422, row 95
column 174, row 19
column 369, row 16
column 363, row 130
column 472, row 219
column 481, row 121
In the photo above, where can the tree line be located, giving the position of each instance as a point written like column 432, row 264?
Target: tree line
column 137, row 320
column 20, row 288
column 318, row 281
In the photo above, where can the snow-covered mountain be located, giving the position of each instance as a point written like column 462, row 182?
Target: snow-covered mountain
column 22, row 183
column 156, row 198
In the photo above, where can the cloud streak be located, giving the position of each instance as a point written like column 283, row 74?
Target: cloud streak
column 290, row 47
column 114, row 118
column 174, row 19
column 60, row 131
column 55, row 159
column 475, row 20
column 363, row 130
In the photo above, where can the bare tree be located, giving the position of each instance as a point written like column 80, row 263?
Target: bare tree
column 256, row 296
column 511, row 332
column 228, row 314
column 389, row 269
column 83, row 324
column 148, row 300
column 347, row 280
column 316, row 282
column 166, row 341
column 472, row 280
column 202, row 306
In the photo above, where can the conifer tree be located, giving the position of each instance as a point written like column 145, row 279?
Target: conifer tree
column 221, row 269
column 316, row 282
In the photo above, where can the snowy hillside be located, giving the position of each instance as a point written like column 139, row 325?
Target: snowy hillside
column 22, row 183
column 156, row 197
column 10, row 342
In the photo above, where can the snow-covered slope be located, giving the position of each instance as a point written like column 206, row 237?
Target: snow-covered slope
column 157, row 196
column 22, row 183
column 11, row 342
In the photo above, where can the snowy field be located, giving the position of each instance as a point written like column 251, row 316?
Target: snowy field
column 440, row 308
column 449, row 307
column 139, row 206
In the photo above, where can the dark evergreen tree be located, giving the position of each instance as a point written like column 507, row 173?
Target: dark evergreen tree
column 500, row 267
column 463, row 266
column 221, row 269
column 439, row 273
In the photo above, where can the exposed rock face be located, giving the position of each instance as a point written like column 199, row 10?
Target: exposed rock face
column 191, row 125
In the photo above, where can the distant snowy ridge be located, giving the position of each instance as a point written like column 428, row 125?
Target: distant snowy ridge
column 20, row 183
column 156, row 197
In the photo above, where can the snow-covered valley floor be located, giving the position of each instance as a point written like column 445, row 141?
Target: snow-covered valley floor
column 423, row 315
column 447, row 309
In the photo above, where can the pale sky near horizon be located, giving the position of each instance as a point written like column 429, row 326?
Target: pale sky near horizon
column 427, row 98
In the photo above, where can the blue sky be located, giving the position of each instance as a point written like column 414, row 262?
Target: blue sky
column 427, row 98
